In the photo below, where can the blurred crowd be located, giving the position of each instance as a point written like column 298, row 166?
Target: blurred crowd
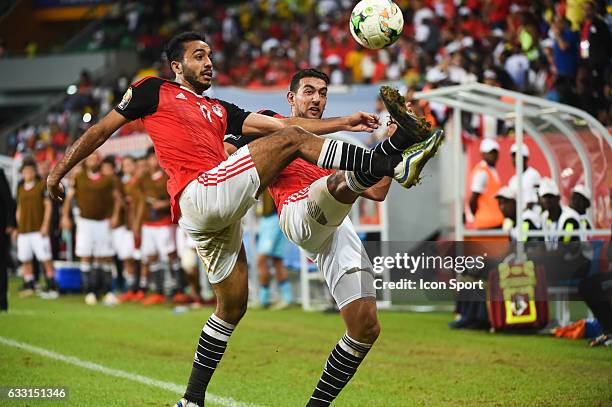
column 555, row 49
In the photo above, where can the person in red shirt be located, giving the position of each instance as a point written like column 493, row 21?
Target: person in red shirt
column 313, row 204
column 210, row 192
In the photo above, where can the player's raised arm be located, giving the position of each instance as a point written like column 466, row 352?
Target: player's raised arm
column 262, row 125
column 93, row 138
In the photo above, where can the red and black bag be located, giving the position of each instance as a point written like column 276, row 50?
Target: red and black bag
column 517, row 297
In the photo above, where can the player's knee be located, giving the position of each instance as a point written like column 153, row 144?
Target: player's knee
column 369, row 327
column 232, row 313
column 371, row 330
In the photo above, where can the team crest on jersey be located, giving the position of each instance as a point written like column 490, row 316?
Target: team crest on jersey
column 217, row 110
column 126, row 99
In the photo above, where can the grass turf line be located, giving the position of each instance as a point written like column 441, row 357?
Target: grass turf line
column 275, row 359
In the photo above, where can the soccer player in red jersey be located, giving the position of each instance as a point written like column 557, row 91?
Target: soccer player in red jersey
column 209, row 191
column 313, row 205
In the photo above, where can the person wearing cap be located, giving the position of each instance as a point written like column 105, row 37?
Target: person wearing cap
column 580, row 201
column 531, row 177
column 484, row 186
column 557, row 218
column 506, row 198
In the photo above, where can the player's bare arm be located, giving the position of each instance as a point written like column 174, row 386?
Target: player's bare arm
column 46, row 223
column 93, row 138
column 261, row 125
column 66, row 223
column 114, row 220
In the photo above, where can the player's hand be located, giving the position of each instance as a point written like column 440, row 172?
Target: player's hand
column 114, row 222
column 55, row 189
column 14, row 234
column 44, row 230
column 362, row 121
column 66, row 223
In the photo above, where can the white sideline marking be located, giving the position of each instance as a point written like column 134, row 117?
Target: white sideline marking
column 175, row 388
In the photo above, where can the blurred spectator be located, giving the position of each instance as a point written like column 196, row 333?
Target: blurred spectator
column 595, row 52
column 565, row 51
column 506, row 198
column 484, row 186
column 580, row 201
column 530, row 177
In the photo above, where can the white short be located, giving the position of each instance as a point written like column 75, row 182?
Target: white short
column 333, row 246
column 33, row 244
column 158, row 240
column 123, row 242
column 94, row 238
column 211, row 208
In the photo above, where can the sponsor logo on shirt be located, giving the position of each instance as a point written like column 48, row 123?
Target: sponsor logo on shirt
column 217, row 110
column 127, row 96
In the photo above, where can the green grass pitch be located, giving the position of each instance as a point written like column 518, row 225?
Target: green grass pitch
column 275, row 359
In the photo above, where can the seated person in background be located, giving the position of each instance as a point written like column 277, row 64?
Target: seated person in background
column 506, row 197
column 580, row 201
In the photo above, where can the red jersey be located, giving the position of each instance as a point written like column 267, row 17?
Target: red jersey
column 187, row 129
column 295, row 177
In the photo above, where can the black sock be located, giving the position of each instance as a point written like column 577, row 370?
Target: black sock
column 157, row 272
column 345, row 156
column 394, row 145
column 339, row 369
column 211, row 346
column 87, row 278
column 107, row 278
column 359, row 181
column 179, row 276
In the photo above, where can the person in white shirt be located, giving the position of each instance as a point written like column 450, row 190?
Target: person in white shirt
column 531, row 177
column 580, row 201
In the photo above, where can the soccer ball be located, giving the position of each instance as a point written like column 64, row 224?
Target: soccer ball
column 376, row 23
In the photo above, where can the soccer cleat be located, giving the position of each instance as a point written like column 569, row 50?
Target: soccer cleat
column 138, row 296
column 280, row 305
column 181, row 298
column 185, row 403
column 126, row 296
column 154, row 299
column 602, row 340
column 414, row 127
column 110, row 300
column 414, row 158
column 49, row 295
column 90, row 299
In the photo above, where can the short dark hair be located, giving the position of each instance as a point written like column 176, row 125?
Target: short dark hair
column 150, row 150
column 175, row 49
column 307, row 73
column 28, row 162
column 109, row 159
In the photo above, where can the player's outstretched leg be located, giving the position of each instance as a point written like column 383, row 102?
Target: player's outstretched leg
column 232, row 297
column 362, row 331
column 273, row 153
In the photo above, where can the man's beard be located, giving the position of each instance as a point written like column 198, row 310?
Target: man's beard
column 190, row 77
